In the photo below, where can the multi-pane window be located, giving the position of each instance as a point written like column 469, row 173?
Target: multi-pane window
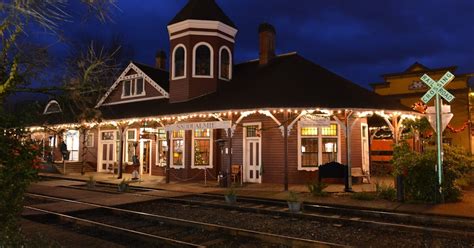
column 179, row 62
column 252, row 131
column 71, row 138
column 90, row 140
column 225, row 64
column 130, row 145
column 133, row 87
column 177, row 143
column 318, row 145
column 161, row 148
column 202, row 58
column 108, row 135
column 202, row 147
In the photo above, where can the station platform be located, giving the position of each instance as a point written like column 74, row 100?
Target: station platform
column 338, row 197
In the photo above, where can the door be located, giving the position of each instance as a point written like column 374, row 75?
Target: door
column 107, row 157
column 365, row 147
column 253, row 161
column 146, row 157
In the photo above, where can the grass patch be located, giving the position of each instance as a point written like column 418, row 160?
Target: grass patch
column 364, row 196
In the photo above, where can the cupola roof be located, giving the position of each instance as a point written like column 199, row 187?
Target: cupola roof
column 207, row 10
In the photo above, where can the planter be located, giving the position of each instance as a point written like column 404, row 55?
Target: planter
column 230, row 199
column 294, row 207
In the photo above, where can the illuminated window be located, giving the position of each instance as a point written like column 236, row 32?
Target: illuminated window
column 71, row 138
column 252, row 131
column 130, row 145
column 202, row 148
column 161, row 148
column 317, row 146
column 177, row 148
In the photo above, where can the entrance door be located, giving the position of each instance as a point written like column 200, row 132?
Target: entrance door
column 107, row 156
column 146, row 156
column 365, row 147
column 252, row 154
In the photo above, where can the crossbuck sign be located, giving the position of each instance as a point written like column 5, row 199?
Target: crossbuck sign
column 437, row 87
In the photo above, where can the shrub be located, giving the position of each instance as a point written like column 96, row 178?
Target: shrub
column 419, row 173
column 386, row 192
column 293, row 197
column 364, row 196
column 317, row 188
column 124, row 185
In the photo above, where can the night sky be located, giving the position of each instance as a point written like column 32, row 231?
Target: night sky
column 359, row 40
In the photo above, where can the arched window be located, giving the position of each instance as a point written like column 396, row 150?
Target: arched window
column 203, row 60
column 225, row 64
column 52, row 107
column 179, row 62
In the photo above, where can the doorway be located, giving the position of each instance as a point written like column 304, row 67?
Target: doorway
column 145, row 157
column 365, row 146
column 252, row 153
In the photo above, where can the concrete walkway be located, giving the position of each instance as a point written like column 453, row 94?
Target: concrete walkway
column 464, row 208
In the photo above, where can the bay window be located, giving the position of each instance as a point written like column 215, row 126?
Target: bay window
column 317, row 146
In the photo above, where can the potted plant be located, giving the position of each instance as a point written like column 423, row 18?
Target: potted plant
column 123, row 186
column 294, row 204
column 231, row 196
column 91, row 183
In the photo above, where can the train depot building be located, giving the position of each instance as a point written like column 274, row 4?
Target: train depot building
column 274, row 119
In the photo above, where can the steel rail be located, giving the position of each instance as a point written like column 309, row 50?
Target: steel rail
column 269, row 237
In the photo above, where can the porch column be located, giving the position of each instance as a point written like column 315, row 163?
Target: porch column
column 229, row 168
column 121, row 128
column 168, row 156
column 285, row 147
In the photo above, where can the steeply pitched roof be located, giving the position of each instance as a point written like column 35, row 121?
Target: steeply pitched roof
column 289, row 81
column 159, row 76
column 202, row 10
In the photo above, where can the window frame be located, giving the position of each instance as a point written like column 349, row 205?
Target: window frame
column 211, row 66
column 320, row 138
column 220, row 63
column 90, row 142
column 158, row 139
column 133, row 87
column 126, row 141
column 211, row 150
column 173, row 76
column 171, row 147
column 70, row 150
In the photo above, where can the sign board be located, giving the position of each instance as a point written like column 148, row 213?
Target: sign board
column 446, row 117
column 315, row 121
column 199, row 125
column 437, row 87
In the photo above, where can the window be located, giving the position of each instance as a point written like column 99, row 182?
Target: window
column 177, row 148
column 252, row 131
column 90, row 139
column 71, row 138
column 202, row 148
column 108, row 135
column 161, row 148
column 133, row 87
column 225, row 65
column 317, row 145
column 203, row 60
column 131, row 144
column 179, row 62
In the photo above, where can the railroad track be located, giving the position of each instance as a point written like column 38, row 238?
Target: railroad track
column 161, row 230
column 446, row 226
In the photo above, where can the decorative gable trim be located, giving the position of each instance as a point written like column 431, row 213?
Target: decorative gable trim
column 45, row 112
column 124, row 77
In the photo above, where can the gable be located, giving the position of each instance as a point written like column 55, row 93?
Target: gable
column 131, row 86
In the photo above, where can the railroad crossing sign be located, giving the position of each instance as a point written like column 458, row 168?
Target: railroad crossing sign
column 437, row 87
column 437, row 90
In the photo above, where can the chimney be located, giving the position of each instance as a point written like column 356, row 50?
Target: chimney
column 160, row 60
column 267, row 36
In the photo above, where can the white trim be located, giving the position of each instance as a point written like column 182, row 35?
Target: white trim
column 202, row 24
column 135, row 100
column 202, row 33
column 100, row 150
column 171, row 147
column 49, row 104
column 230, row 63
column 211, row 66
column 244, row 147
column 211, row 154
column 367, row 151
column 124, row 77
column 320, row 146
column 173, row 59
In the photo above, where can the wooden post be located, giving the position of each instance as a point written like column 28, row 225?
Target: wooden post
column 229, row 168
column 285, row 148
column 121, row 132
column 168, row 157
column 348, row 183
